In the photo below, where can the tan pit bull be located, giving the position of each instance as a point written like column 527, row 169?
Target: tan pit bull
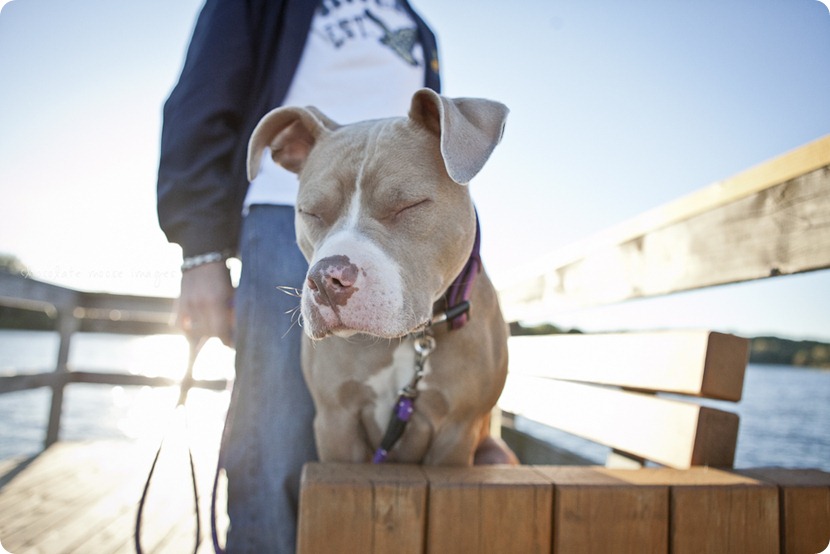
column 385, row 220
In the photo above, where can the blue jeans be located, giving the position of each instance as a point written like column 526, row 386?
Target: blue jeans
column 270, row 433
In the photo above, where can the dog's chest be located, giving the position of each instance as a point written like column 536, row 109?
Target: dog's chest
column 389, row 380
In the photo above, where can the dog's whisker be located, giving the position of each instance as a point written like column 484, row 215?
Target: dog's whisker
column 296, row 319
column 290, row 291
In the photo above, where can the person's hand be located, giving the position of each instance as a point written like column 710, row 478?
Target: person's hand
column 205, row 307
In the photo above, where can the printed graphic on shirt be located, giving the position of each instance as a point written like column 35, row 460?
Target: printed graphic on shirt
column 401, row 41
column 384, row 20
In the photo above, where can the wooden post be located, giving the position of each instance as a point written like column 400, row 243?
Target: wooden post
column 371, row 509
column 804, row 504
column 714, row 511
column 597, row 512
column 67, row 325
column 488, row 510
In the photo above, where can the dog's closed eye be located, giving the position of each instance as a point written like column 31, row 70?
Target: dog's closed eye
column 311, row 216
column 411, row 206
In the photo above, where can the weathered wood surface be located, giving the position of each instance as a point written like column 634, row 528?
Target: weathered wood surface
column 16, row 383
column 573, row 383
column 804, row 498
column 694, row 363
column 565, row 509
column 82, row 498
column 93, row 311
column 773, row 219
column 372, row 509
column 669, row 432
column 487, row 510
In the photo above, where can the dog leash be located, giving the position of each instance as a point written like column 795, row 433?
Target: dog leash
column 195, row 345
column 214, row 493
column 405, row 405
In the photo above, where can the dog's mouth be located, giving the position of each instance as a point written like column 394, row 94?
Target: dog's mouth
column 321, row 321
column 346, row 332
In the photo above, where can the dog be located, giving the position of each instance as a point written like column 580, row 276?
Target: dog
column 385, row 219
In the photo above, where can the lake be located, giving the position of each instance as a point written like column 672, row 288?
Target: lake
column 785, row 414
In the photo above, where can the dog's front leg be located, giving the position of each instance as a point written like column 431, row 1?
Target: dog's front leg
column 340, row 438
column 454, row 445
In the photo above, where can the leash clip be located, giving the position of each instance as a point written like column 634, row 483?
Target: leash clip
column 424, row 344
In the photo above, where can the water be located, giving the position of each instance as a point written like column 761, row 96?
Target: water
column 785, row 414
column 106, row 412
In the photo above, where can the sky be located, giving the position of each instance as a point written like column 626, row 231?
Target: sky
column 616, row 108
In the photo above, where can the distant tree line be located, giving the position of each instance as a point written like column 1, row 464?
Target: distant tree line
column 773, row 350
column 17, row 318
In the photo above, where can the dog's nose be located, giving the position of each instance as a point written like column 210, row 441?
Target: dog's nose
column 332, row 279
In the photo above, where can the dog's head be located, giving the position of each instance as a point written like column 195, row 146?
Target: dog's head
column 383, row 217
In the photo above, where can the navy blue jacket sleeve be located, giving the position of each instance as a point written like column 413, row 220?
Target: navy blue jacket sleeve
column 203, row 126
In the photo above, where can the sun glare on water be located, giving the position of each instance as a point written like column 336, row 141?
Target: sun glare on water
column 148, row 412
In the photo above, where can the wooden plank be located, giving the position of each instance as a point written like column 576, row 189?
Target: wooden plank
column 27, row 381
column 697, row 363
column 16, row 383
column 82, row 497
column 770, row 220
column 18, row 291
column 126, row 306
column 98, row 312
column 595, row 512
column 49, row 514
column 127, row 380
column 724, row 519
column 804, row 507
column 669, row 432
column 488, row 509
column 121, row 313
column 712, row 510
column 362, row 508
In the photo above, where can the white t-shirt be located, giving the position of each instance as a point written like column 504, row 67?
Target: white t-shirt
column 362, row 60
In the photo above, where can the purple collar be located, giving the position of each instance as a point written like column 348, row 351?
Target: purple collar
column 458, row 295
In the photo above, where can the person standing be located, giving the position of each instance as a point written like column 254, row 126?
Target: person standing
column 354, row 60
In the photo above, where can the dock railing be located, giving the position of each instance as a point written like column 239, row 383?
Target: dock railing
column 74, row 311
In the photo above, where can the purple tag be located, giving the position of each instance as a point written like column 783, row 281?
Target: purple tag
column 405, row 409
column 380, row 456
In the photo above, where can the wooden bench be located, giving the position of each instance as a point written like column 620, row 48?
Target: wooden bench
column 771, row 220
column 768, row 221
column 565, row 381
column 560, row 509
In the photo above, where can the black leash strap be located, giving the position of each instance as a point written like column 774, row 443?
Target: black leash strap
column 220, row 465
column 187, row 382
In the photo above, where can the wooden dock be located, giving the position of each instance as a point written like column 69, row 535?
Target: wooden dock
column 82, row 497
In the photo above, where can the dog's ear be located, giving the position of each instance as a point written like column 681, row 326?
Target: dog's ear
column 469, row 129
column 290, row 134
